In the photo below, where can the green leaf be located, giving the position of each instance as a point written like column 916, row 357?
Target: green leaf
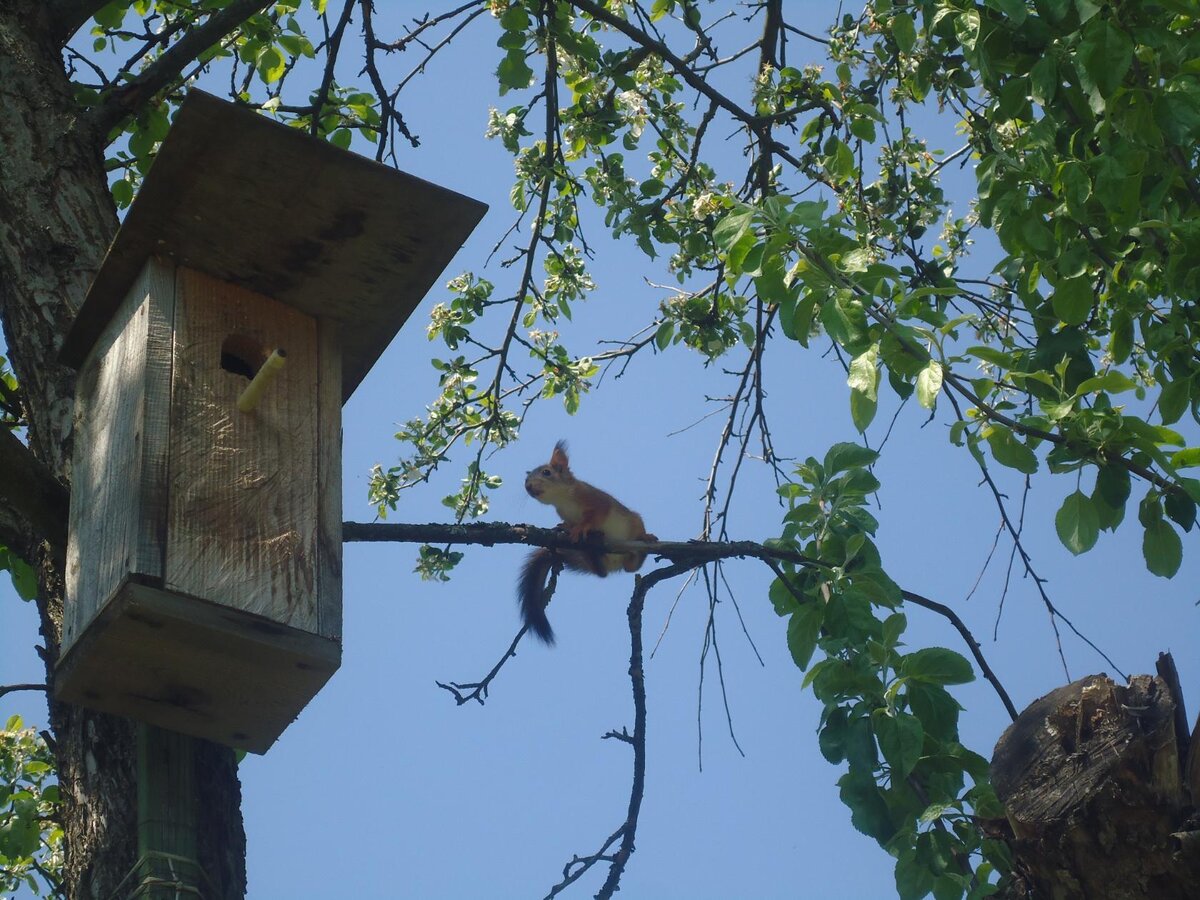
column 771, row 282
column 122, row 192
column 271, row 65
column 1150, row 509
column 862, row 410
column 868, row 810
column 863, row 128
column 893, row 627
column 864, row 373
column 936, row 665
column 1075, row 185
column 1072, row 300
column 914, row 880
column 652, row 187
column 1008, row 451
column 1039, row 237
column 1014, row 9
column 1120, row 342
column 845, row 456
column 860, row 744
column 1177, row 113
column 1104, row 56
column 929, row 384
column 996, row 357
column 111, row 15
column 732, row 228
column 1173, row 399
column 662, row 337
column 948, row 886
column 1111, row 382
column 937, row 710
column 515, row 18
column 1162, row 549
column 1187, row 458
column 1178, row 506
column 783, row 598
column 901, row 739
column 1077, row 523
column 1043, row 79
column 24, row 577
column 513, row 72
column 832, row 739
column 803, row 629
column 1110, row 495
column 904, row 32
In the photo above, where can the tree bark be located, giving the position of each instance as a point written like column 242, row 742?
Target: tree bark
column 56, row 221
column 1093, row 780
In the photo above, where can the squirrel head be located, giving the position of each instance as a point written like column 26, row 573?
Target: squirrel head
column 543, row 482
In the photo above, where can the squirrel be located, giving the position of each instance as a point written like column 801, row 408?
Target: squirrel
column 585, row 511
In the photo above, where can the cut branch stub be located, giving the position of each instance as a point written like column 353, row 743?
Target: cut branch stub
column 1091, row 781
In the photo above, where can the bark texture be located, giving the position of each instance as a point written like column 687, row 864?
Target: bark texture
column 56, row 221
column 1093, row 780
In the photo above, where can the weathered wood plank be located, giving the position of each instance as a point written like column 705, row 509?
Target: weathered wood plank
column 106, row 473
column 154, row 426
column 329, row 482
column 196, row 667
column 243, row 505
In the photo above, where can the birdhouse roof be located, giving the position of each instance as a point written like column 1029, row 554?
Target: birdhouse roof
column 268, row 207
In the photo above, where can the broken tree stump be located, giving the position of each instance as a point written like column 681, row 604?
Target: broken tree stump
column 1094, row 779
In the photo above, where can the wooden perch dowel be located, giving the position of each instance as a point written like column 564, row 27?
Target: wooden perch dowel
column 254, row 390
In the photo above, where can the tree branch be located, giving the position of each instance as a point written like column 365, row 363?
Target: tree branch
column 489, row 534
column 10, row 688
column 478, row 690
column 30, row 494
column 684, row 555
column 976, row 651
column 682, row 68
column 68, row 16
column 120, row 103
column 637, row 678
column 321, row 97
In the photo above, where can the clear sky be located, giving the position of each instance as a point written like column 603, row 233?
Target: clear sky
column 385, row 788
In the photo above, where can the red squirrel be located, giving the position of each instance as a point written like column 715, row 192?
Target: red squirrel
column 585, row 511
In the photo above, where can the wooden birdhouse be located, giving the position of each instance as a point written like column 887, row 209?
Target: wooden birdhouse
column 256, row 279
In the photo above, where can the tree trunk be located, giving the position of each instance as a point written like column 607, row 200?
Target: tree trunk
column 56, row 220
column 1094, row 781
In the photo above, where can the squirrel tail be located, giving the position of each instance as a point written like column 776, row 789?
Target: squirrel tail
column 531, row 590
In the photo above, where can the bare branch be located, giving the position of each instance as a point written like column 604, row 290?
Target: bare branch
column 426, row 22
column 637, row 677
column 11, row 688
column 976, row 651
column 478, row 690
column 332, row 46
column 1039, row 582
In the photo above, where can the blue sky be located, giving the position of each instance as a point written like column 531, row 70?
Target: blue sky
column 385, row 788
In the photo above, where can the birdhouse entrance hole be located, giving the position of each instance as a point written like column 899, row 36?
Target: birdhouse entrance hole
column 243, row 355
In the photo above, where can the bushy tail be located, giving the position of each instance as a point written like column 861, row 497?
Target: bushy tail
column 531, row 589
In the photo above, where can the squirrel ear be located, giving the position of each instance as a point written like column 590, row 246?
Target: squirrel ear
column 558, row 459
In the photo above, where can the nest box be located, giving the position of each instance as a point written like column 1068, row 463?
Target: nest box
column 256, row 279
